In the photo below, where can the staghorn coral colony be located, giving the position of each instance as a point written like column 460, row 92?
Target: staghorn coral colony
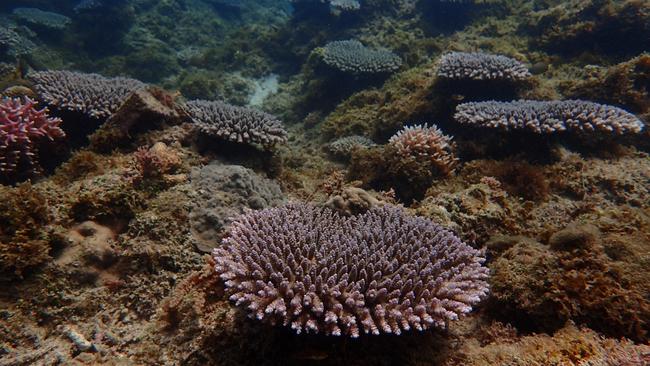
column 252, row 182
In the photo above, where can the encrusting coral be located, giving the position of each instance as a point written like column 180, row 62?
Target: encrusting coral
column 223, row 193
column 382, row 271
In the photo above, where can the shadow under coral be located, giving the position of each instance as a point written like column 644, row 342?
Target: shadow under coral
column 209, row 330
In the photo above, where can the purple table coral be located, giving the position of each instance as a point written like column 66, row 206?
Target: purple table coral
column 236, row 124
column 22, row 128
column 383, row 271
column 549, row 116
column 91, row 94
column 481, row 66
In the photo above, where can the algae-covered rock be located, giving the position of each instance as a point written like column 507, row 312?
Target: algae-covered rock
column 573, row 279
column 26, row 228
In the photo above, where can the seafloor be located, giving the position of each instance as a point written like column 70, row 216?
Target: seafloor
column 105, row 235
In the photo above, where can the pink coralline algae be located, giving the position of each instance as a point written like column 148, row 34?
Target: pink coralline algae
column 382, row 271
column 22, row 128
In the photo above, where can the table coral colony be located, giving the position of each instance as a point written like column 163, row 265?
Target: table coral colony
column 317, row 271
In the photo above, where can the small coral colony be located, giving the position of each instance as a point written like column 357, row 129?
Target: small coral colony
column 446, row 182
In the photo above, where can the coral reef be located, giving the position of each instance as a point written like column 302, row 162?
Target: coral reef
column 15, row 44
column 105, row 198
column 480, row 66
column 91, row 94
column 301, row 277
column 571, row 278
column 157, row 163
column 346, row 5
column 549, row 117
column 384, row 168
column 475, row 213
column 381, row 112
column 23, row 128
column 224, row 192
column 352, row 201
column 103, row 261
column 426, row 143
column 45, row 19
column 336, row 6
column 344, row 146
column 627, row 83
column 237, row 124
column 353, row 57
column 610, row 27
column 143, row 109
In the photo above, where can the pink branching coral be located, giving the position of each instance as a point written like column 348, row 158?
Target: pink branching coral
column 22, row 128
column 424, row 142
column 317, row 271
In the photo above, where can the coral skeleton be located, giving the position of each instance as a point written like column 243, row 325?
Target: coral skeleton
column 318, row 271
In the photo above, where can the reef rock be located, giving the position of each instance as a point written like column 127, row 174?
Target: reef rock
column 223, row 193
